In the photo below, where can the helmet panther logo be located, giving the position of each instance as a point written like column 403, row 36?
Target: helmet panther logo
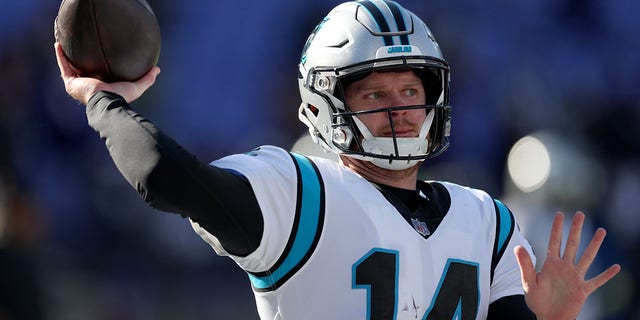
column 303, row 59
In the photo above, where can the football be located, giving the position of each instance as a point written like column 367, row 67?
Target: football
column 112, row 40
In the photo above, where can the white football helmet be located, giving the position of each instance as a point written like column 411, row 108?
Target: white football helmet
column 353, row 40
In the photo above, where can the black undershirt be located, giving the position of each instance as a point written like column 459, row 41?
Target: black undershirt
column 169, row 178
column 427, row 204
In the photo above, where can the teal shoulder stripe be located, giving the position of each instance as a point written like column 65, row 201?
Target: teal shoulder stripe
column 305, row 235
column 505, row 225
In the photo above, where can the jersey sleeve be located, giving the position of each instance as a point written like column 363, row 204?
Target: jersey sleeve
column 272, row 175
column 505, row 270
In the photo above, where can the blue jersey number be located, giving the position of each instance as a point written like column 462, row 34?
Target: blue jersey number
column 457, row 295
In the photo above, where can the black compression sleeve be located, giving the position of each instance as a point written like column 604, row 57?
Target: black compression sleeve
column 169, row 178
column 510, row 307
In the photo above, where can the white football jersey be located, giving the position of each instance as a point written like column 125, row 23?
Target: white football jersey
column 333, row 247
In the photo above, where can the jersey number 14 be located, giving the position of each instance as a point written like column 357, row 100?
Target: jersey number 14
column 456, row 297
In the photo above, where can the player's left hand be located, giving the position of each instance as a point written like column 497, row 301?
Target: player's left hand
column 559, row 290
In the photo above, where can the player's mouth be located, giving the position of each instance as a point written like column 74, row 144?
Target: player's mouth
column 402, row 133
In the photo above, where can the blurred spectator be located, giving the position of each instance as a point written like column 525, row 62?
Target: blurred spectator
column 21, row 277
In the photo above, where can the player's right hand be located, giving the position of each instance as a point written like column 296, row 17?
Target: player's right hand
column 82, row 88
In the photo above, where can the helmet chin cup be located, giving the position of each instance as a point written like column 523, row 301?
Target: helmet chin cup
column 394, row 153
column 394, row 164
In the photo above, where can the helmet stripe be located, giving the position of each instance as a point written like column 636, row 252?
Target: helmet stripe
column 380, row 20
column 397, row 15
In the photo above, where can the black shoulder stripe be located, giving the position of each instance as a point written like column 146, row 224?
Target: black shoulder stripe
column 306, row 229
column 505, row 225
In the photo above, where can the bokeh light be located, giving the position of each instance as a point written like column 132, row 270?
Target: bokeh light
column 529, row 164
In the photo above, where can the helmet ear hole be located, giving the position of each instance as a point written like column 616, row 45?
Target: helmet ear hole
column 313, row 110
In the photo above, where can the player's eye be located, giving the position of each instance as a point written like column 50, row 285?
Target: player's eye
column 410, row 92
column 373, row 95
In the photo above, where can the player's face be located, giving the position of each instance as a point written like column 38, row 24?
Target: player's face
column 388, row 89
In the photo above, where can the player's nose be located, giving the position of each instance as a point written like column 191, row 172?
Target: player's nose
column 398, row 100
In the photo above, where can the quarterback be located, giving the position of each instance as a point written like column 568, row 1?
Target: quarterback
column 360, row 238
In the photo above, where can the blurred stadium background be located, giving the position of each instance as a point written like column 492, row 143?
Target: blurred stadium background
column 546, row 112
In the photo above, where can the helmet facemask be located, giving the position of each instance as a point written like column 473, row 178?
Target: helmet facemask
column 350, row 136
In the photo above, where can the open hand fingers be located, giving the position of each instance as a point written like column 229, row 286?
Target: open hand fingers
column 555, row 239
column 601, row 279
column 573, row 240
column 589, row 254
column 527, row 269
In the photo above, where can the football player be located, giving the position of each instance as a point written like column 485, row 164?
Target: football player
column 362, row 237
